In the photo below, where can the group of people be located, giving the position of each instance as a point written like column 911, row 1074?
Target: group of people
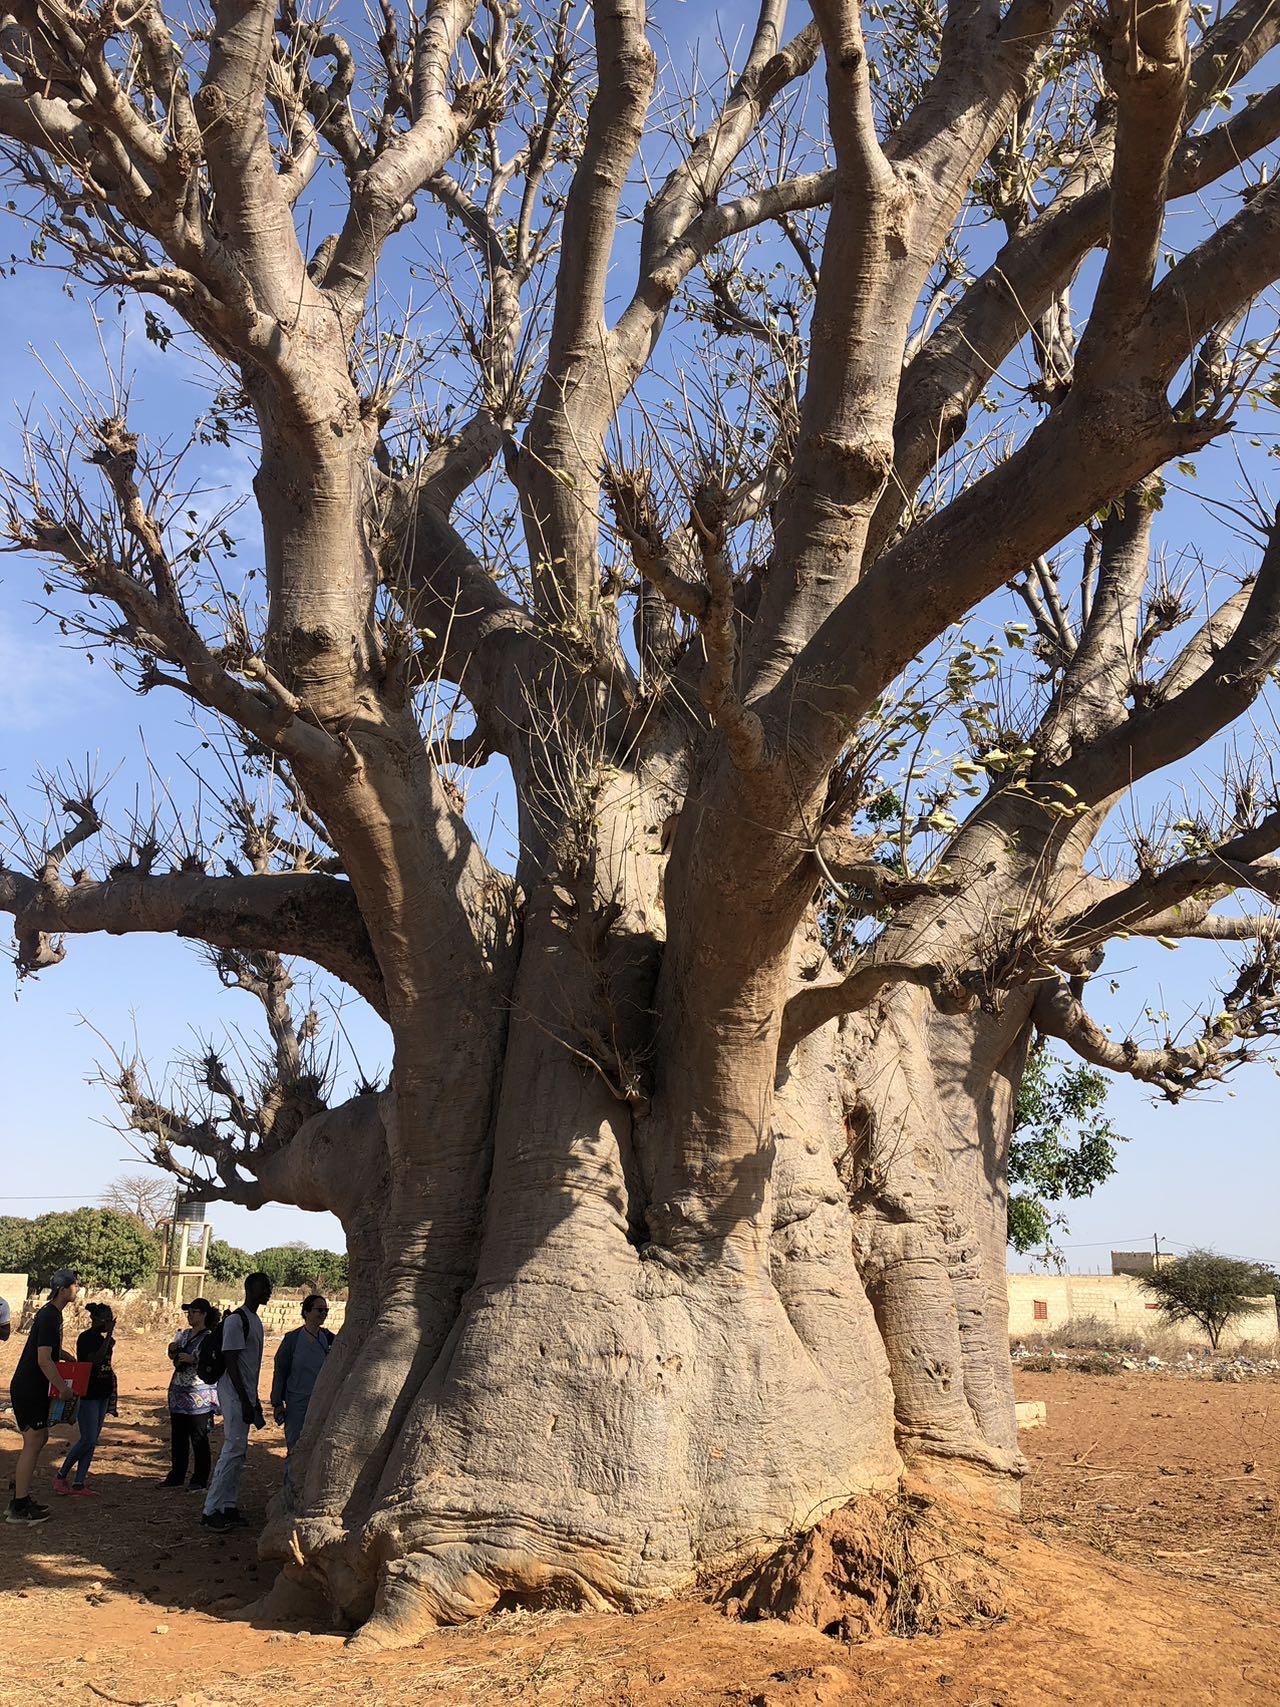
column 217, row 1365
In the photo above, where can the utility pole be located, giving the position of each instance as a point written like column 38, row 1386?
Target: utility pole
column 1155, row 1240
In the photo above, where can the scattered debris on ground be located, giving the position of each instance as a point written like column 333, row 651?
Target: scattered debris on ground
column 1111, row 1360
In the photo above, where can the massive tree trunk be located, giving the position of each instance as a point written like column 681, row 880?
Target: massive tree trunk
column 597, row 1418
column 600, row 1410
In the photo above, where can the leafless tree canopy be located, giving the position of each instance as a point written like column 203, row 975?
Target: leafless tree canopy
column 779, row 513
column 147, row 1197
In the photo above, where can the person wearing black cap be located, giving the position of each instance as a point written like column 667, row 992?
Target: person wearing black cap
column 35, row 1372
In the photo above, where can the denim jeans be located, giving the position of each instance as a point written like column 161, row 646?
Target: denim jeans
column 91, row 1415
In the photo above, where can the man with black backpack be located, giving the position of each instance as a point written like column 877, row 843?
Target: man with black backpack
column 231, row 1355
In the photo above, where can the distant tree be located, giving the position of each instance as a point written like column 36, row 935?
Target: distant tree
column 298, row 1265
column 15, row 1243
column 226, row 1263
column 1209, row 1289
column 107, row 1248
column 1062, row 1146
column 326, row 1270
column 147, row 1197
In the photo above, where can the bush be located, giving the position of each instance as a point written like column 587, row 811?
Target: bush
column 107, row 1249
column 291, row 1266
column 15, row 1244
column 227, row 1264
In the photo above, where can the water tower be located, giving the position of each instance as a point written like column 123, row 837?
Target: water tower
column 185, row 1258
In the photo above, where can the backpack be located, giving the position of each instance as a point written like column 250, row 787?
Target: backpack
column 211, row 1362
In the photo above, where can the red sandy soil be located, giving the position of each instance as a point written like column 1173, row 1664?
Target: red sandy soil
column 1148, row 1572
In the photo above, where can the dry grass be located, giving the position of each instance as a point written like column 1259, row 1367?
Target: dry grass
column 1091, row 1334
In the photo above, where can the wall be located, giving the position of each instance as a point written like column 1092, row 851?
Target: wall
column 13, row 1289
column 1116, row 1303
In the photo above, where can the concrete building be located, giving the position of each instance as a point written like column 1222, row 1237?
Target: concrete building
column 1117, row 1305
column 1134, row 1262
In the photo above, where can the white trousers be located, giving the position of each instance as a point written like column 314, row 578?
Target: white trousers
column 224, row 1484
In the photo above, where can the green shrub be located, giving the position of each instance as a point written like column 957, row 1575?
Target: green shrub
column 226, row 1264
column 107, row 1248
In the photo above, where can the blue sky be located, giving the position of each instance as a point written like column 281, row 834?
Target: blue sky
column 1204, row 1172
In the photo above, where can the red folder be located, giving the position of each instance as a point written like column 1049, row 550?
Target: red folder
column 78, row 1374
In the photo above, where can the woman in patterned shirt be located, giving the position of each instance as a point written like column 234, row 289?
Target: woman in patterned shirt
column 191, row 1402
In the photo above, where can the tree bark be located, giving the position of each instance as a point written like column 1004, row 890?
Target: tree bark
column 670, row 1409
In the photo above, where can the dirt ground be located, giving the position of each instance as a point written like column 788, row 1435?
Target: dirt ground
column 1148, row 1572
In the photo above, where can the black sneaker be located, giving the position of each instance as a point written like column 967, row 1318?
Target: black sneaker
column 170, row 1482
column 29, row 1512
column 235, row 1516
column 217, row 1520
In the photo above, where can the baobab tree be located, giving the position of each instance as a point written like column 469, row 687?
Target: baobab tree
column 148, row 1197
column 682, row 1215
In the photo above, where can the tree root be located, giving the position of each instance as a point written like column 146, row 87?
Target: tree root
column 879, row 1566
column 423, row 1591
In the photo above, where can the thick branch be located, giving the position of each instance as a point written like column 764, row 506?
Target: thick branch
column 1231, row 865
column 296, row 913
column 1097, row 681
column 946, row 377
column 814, row 1004
column 1168, row 730
column 1148, row 68
column 253, row 211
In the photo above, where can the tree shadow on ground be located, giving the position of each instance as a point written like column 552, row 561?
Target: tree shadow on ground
column 136, row 1538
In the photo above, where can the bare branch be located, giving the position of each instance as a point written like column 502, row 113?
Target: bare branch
column 382, row 195
column 306, row 914
column 1223, row 1044
column 1231, row 865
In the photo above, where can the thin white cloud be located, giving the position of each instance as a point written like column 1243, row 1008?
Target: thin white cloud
column 42, row 683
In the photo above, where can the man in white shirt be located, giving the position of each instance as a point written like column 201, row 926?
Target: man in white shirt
column 6, row 1321
column 242, row 1337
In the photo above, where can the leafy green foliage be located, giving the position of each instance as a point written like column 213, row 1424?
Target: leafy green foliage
column 112, row 1249
column 227, row 1264
column 1209, row 1289
column 296, row 1265
column 15, row 1244
column 1062, row 1147
column 107, row 1247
